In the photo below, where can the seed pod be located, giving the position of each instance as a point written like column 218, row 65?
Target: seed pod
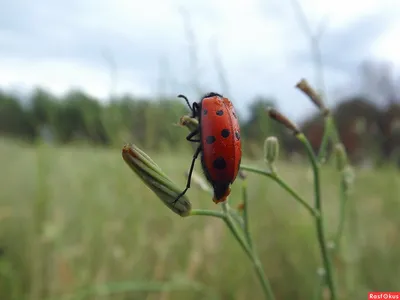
column 277, row 116
column 271, row 150
column 190, row 123
column 305, row 87
column 155, row 179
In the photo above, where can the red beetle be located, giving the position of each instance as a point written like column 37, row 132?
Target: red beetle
column 220, row 145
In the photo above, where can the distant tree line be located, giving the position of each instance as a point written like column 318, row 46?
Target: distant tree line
column 78, row 117
column 368, row 124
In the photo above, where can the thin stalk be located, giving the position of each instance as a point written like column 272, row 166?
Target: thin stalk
column 237, row 217
column 229, row 221
column 319, row 286
column 343, row 201
column 319, row 221
column 231, row 225
column 246, row 215
column 325, row 139
column 334, row 132
column 256, row 262
column 206, row 212
column 286, row 187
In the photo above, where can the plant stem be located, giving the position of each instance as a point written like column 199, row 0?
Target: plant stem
column 206, row 212
column 246, row 214
column 319, row 221
column 231, row 225
column 286, row 187
column 237, row 217
column 343, row 201
column 325, row 138
column 319, row 286
column 228, row 219
column 256, row 262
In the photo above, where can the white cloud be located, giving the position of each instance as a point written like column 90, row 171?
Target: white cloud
column 59, row 46
column 387, row 47
column 62, row 75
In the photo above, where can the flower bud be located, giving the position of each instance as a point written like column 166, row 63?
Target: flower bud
column 155, row 179
column 305, row 87
column 271, row 150
column 341, row 157
column 190, row 123
column 277, row 116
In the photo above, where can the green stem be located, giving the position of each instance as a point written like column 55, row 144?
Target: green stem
column 256, row 262
column 286, row 187
column 227, row 217
column 334, row 132
column 343, row 201
column 319, row 286
column 231, row 225
column 246, row 214
column 325, row 138
column 319, row 221
column 236, row 216
column 206, row 212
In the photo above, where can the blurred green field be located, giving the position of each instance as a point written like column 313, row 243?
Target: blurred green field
column 72, row 218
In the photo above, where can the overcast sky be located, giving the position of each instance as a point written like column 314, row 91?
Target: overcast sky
column 63, row 44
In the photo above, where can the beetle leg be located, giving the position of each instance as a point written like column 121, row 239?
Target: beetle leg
column 195, row 110
column 192, row 134
column 195, row 155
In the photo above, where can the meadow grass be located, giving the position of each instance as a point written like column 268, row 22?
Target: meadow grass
column 73, row 219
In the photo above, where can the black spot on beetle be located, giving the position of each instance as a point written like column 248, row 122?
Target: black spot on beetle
column 219, row 163
column 205, row 112
column 210, row 139
column 225, row 133
column 220, row 112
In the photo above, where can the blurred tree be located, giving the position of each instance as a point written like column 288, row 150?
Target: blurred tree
column 259, row 126
column 378, row 82
column 14, row 120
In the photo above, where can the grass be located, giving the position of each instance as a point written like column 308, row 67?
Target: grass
column 74, row 219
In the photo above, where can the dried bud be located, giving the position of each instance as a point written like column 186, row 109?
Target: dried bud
column 154, row 178
column 190, row 123
column 277, row 116
column 305, row 87
column 271, row 150
column 341, row 157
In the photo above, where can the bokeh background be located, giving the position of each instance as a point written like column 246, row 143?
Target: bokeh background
column 78, row 79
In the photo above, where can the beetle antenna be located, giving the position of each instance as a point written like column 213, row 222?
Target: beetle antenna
column 187, row 101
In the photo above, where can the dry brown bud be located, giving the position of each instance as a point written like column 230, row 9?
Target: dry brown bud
column 305, row 87
column 277, row 116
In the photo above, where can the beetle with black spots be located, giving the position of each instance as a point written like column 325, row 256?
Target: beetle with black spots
column 219, row 143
